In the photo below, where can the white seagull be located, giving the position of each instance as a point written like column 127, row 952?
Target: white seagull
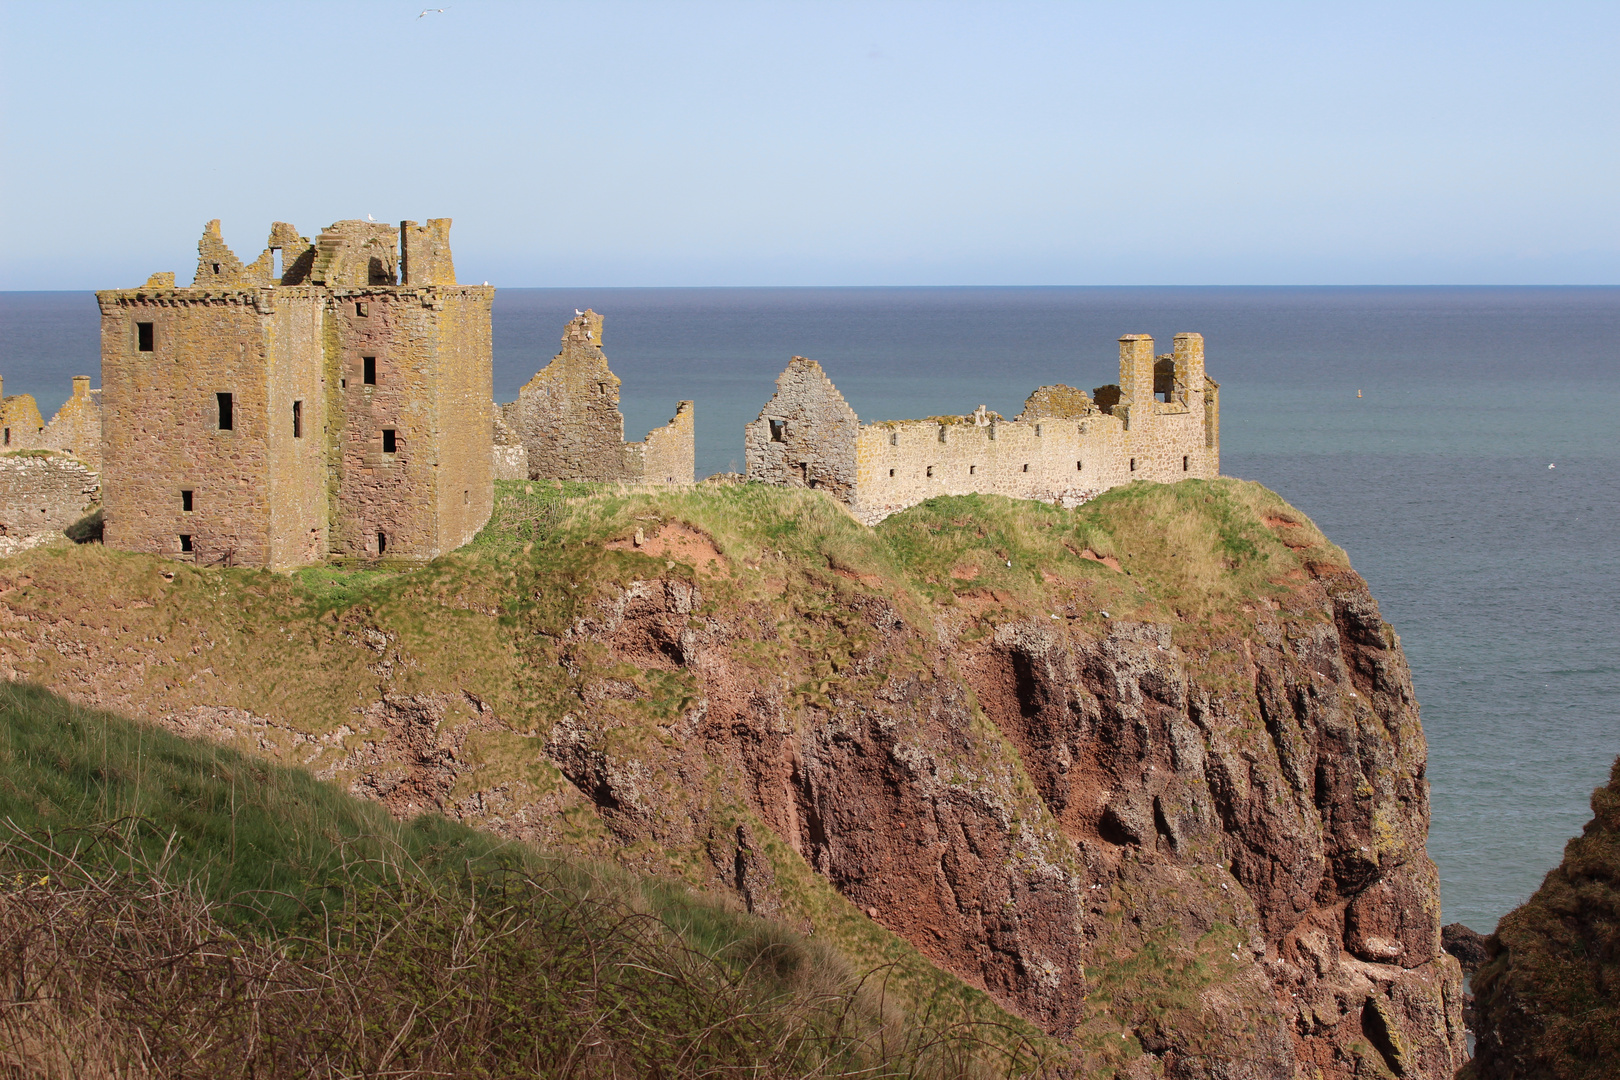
column 430, row 11
column 578, row 312
column 370, row 218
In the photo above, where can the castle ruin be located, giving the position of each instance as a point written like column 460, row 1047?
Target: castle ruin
column 332, row 398
column 568, row 421
column 1160, row 422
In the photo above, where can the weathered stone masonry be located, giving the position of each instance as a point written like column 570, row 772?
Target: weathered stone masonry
column 567, row 418
column 1160, row 422
column 270, row 416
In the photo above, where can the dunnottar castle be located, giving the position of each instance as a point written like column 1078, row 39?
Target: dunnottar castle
column 333, row 399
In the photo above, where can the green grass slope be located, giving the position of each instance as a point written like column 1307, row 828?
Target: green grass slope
column 174, row 908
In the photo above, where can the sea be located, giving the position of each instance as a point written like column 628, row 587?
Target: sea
column 1461, row 444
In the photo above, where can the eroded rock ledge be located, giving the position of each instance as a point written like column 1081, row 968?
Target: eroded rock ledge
column 1149, row 773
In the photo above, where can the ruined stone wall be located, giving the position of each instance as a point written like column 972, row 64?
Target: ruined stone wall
column 568, row 413
column 76, row 427
column 1065, row 447
column 21, row 425
column 510, row 461
column 805, row 435
column 669, row 455
column 43, row 492
column 161, row 421
column 569, row 420
column 901, row 463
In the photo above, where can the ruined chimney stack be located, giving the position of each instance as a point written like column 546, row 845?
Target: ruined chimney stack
column 1136, row 367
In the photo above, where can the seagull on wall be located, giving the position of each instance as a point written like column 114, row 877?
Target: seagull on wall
column 578, row 312
column 370, row 218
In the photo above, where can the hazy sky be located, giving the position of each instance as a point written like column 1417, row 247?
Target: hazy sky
column 825, row 143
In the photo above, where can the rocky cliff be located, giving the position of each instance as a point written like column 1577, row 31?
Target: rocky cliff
column 1547, row 1000
column 1148, row 773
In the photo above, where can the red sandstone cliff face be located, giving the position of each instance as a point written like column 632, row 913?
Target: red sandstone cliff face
column 1189, row 843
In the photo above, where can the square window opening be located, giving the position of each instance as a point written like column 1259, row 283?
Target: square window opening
column 389, row 440
column 143, row 336
column 361, row 309
column 368, row 370
column 779, row 431
column 973, row 470
column 227, row 412
column 216, row 269
column 298, row 419
column 185, row 501
column 185, row 541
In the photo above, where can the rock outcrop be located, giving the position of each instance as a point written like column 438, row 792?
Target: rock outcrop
column 1547, row 1000
column 1150, row 773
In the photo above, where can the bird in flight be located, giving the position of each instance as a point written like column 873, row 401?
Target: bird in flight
column 430, row 11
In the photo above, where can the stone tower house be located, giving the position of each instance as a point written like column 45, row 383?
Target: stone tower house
column 330, row 398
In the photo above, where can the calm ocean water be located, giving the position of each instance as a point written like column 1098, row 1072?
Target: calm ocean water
column 1501, row 574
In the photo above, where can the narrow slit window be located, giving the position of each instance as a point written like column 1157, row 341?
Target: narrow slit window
column 275, row 264
column 1038, row 431
column 942, row 433
column 298, row 419
column 389, row 441
column 185, row 541
column 382, row 543
column 227, row 417
column 368, row 370
column 1026, row 467
column 973, row 470
column 891, row 472
column 216, row 268
column 466, row 496
column 930, row 470
column 143, row 336
column 1078, row 466
column 1133, row 464
column 894, row 438
column 185, row 501
column 779, row 431
column 8, row 436
column 1184, row 462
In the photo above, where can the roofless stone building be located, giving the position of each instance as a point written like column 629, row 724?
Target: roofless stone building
column 1161, row 421
column 331, row 398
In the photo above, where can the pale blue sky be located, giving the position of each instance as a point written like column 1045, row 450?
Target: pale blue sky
column 826, row 143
